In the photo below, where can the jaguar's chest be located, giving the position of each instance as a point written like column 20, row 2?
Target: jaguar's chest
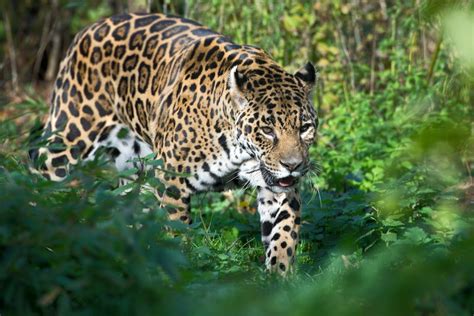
column 221, row 172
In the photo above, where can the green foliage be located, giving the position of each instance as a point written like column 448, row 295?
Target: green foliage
column 388, row 221
column 79, row 246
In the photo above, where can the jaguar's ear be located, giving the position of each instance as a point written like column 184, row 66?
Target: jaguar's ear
column 308, row 75
column 236, row 84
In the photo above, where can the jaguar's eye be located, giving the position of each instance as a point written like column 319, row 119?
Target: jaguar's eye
column 268, row 131
column 305, row 127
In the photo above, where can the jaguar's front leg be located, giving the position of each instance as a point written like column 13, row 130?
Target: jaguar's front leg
column 175, row 199
column 280, row 220
column 177, row 208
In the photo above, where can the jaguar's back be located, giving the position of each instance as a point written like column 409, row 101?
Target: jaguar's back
column 122, row 69
column 214, row 110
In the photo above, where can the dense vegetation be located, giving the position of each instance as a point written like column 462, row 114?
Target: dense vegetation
column 388, row 218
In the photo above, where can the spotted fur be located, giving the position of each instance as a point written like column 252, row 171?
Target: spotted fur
column 140, row 84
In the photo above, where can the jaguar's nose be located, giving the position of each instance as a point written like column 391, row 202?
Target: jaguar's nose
column 292, row 164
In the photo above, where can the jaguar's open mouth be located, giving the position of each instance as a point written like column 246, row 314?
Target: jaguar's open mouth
column 287, row 181
column 281, row 183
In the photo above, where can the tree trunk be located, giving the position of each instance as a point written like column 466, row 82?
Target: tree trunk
column 11, row 51
column 46, row 37
column 55, row 54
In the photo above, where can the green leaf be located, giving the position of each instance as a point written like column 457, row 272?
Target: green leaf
column 128, row 172
column 416, row 235
column 123, row 133
column 389, row 237
column 123, row 188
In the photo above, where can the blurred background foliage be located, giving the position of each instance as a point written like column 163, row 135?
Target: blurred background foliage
column 388, row 216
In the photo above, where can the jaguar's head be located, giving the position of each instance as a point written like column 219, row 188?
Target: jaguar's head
column 275, row 122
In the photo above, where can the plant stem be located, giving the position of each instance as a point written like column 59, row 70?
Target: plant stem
column 434, row 59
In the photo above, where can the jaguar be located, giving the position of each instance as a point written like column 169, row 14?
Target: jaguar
column 215, row 112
